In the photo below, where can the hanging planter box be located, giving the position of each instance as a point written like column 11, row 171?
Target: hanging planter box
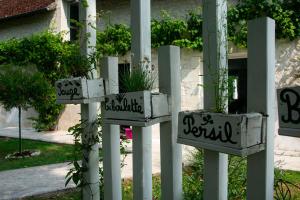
column 237, row 134
column 79, row 90
column 141, row 108
column 289, row 111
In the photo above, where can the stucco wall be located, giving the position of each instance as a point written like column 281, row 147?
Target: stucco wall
column 55, row 20
column 119, row 11
column 287, row 74
column 26, row 26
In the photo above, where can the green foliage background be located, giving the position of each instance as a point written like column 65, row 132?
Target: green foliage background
column 56, row 58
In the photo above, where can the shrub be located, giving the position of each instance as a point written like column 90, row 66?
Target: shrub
column 20, row 87
column 55, row 59
column 284, row 189
column 114, row 40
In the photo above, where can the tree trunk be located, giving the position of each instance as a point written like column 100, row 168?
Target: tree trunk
column 20, row 136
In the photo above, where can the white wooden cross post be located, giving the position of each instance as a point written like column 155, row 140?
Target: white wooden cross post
column 215, row 57
column 261, row 98
column 111, row 135
column 87, row 13
column 170, row 151
column 142, row 136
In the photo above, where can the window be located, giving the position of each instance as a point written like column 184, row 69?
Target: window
column 123, row 69
column 238, row 75
column 74, row 17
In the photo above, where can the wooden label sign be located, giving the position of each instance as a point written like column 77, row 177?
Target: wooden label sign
column 140, row 105
column 78, row 89
column 70, row 89
column 220, row 132
column 289, row 111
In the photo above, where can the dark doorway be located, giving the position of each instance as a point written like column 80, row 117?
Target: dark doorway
column 74, row 19
column 123, row 69
column 238, row 71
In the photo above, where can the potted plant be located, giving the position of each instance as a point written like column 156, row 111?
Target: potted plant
column 237, row 134
column 138, row 103
column 289, row 111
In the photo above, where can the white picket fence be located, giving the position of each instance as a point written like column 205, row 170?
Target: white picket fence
column 218, row 135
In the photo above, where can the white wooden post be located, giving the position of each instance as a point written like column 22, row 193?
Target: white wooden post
column 261, row 98
column 170, row 151
column 142, row 136
column 215, row 57
column 111, row 135
column 90, row 159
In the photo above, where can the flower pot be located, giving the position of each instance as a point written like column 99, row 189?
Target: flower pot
column 237, row 134
column 142, row 106
column 289, row 111
column 79, row 90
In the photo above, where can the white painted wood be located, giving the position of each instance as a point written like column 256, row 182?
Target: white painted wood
column 237, row 134
column 289, row 111
column 236, row 131
column 78, row 89
column 142, row 137
column 237, row 152
column 129, row 122
column 142, row 163
column 111, row 135
column 215, row 59
column 131, row 105
column 171, row 152
column 87, row 16
column 139, row 106
column 90, row 158
column 159, row 105
column 95, row 88
column 261, row 98
column 81, row 101
column 69, row 89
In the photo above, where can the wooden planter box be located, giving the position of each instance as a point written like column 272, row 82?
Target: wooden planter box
column 141, row 108
column 237, row 134
column 289, row 111
column 79, row 90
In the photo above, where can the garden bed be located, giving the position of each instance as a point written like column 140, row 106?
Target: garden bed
column 50, row 153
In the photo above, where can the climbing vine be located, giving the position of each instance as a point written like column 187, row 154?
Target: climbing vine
column 76, row 173
column 115, row 40
column 286, row 17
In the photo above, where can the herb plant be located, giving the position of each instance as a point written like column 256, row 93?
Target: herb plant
column 137, row 80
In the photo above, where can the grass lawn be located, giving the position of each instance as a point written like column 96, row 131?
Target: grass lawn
column 50, row 153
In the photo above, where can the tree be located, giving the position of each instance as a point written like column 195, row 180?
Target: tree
column 20, row 87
